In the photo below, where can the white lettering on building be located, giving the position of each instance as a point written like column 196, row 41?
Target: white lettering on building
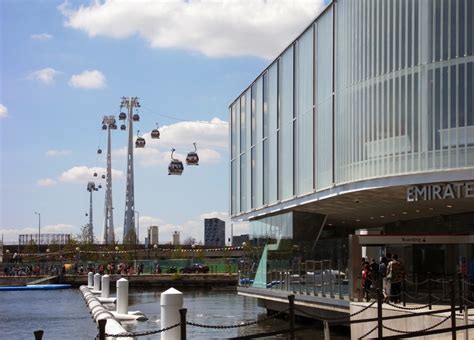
column 429, row 192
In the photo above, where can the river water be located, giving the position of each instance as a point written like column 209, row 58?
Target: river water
column 62, row 314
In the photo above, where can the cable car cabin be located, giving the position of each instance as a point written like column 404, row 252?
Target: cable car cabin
column 99, row 151
column 104, row 127
column 140, row 142
column 136, row 118
column 123, row 127
column 122, row 116
column 103, row 176
column 100, row 186
column 95, row 174
column 175, row 167
column 113, row 126
column 192, row 158
column 155, row 134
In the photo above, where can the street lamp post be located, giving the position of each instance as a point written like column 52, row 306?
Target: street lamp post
column 39, row 230
column 78, row 255
column 138, row 227
column 116, row 258
column 193, row 249
column 155, row 247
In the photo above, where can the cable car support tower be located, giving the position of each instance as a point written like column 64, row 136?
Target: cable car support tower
column 129, row 234
column 90, row 227
column 108, row 123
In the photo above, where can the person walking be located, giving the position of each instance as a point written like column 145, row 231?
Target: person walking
column 395, row 275
column 383, row 277
column 367, row 279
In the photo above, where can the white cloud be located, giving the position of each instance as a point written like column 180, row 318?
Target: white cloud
column 45, row 182
column 84, row 174
column 57, row 228
column 215, row 28
column 45, row 75
column 207, row 134
column 211, row 138
column 41, row 36
column 88, row 80
column 149, row 220
column 57, row 153
column 3, row 111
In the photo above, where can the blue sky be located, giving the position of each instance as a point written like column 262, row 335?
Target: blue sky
column 64, row 65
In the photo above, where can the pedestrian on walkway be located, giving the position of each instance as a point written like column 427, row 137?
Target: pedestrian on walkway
column 395, row 275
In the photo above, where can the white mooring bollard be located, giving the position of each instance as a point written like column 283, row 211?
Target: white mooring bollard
column 122, row 296
column 105, row 286
column 171, row 302
column 97, row 282
column 90, row 280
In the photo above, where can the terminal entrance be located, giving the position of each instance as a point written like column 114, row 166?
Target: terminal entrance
column 440, row 256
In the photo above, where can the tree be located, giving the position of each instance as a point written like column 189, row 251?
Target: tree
column 85, row 236
column 189, row 241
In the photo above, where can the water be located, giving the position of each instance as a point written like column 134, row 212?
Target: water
column 63, row 314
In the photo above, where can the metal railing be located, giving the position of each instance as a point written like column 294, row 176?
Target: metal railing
column 317, row 278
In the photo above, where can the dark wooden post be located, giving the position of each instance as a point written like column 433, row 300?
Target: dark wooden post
column 182, row 313
column 291, row 299
column 404, row 288
column 415, row 277
column 379, row 313
column 453, row 310
column 38, row 334
column 102, row 323
column 429, row 291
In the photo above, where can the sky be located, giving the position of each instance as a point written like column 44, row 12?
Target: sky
column 66, row 64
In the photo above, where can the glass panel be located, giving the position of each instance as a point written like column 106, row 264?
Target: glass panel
column 266, row 170
column 253, row 118
column 286, row 129
column 234, row 187
column 243, row 184
column 273, row 136
column 233, row 126
column 243, row 120
column 324, row 101
column 304, row 107
column 258, row 147
column 265, row 140
column 254, row 176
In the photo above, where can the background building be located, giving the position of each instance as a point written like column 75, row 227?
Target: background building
column 238, row 240
column 214, row 232
column 176, row 241
column 363, row 124
column 152, row 235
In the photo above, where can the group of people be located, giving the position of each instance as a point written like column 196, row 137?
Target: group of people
column 389, row 272
column 33, row 270
column 109, row 268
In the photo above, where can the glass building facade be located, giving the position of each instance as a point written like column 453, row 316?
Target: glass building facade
column 371, row 89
